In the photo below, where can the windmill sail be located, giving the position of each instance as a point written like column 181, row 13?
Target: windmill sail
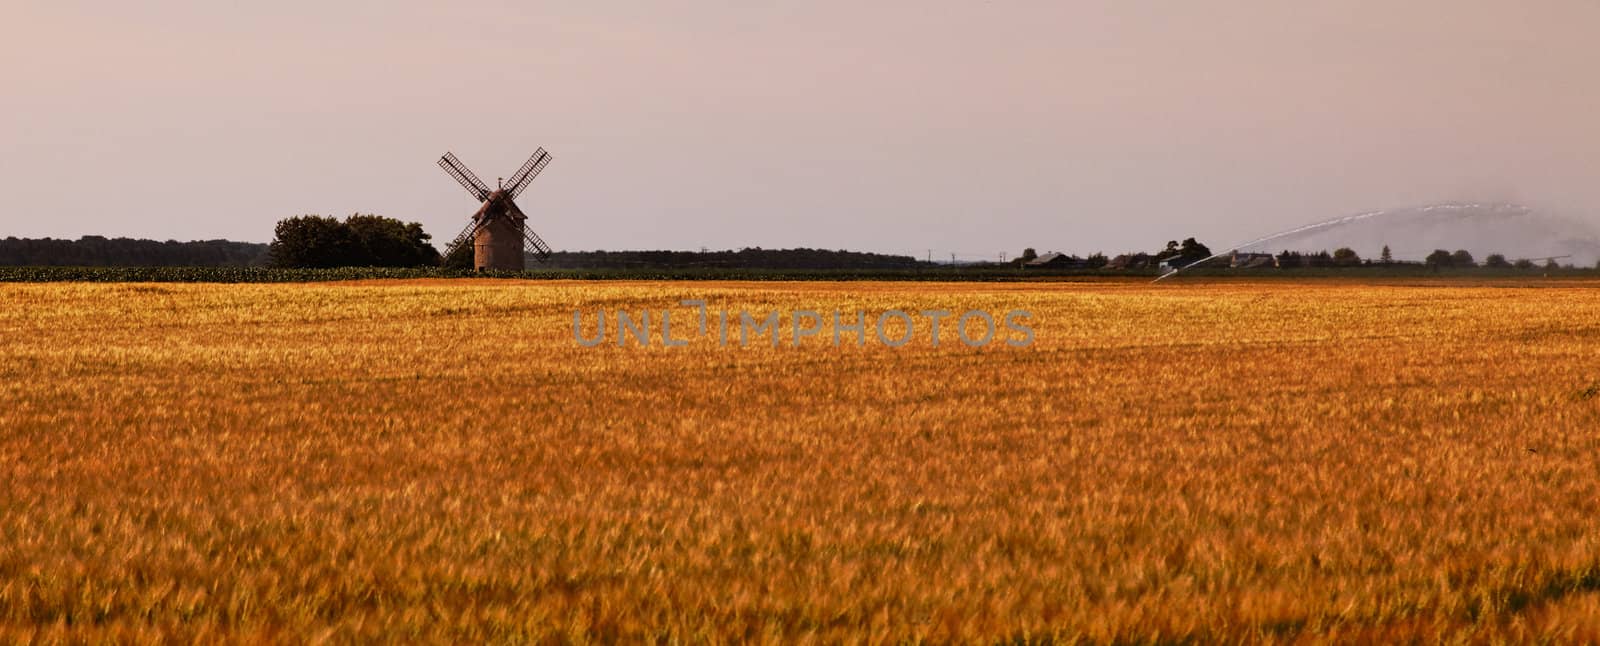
column 530, row 169
column 462, row 238
column 469, row 181
column 540, row 249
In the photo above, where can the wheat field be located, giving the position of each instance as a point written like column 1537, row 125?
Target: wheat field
column 442, row 461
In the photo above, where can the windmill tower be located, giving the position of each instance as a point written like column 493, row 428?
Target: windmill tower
column 499, row 229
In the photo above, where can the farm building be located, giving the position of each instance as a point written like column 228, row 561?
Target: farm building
column 1129, row 261
column 1054, row 260
column 1244, row 260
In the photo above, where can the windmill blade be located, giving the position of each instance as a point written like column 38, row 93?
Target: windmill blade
column 460, row 172
column 540, row 249
column 461, row 239
column 530, row 169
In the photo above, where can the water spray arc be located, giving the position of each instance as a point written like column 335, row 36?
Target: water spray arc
column 1339, row 221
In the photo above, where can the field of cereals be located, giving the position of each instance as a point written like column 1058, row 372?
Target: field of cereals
column 442, row 461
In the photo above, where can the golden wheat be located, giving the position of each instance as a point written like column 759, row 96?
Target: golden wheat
column 442, row 461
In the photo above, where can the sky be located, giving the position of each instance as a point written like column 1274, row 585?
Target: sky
column 973, row 128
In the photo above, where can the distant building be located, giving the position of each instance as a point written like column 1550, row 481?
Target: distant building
column 1129, row 261
column 1170, row 263
column 1242, row 260
column 1055, row 261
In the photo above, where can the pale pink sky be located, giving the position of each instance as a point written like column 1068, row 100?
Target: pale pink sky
column 976, row 127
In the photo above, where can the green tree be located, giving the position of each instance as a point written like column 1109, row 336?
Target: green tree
column 312, row 241
column 1462, row 258
column 387, row 242
column 1345, row 256
column 1385, row 257
column 359, row 241
column 1439, row 258
column 1192, row 251
column 1029, row 254
column 462, row 258
column 1523, row 263
column 1498, row 261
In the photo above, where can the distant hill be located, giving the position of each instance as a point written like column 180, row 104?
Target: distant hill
column 99, row 251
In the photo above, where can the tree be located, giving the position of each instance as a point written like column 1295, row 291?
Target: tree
column 1345, row 256
column 1552, row 264
column 1498, row 261
column 1029, row 254
column 359, row 241
column 312, row 241
column 1193, row 251
column 1523, row 263
column 1462, row 258
column 1439, row 258
column 387, row 242
column 1385, row 257
column 462, row 258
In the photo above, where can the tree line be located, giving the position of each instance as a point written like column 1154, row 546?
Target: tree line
column 307, row 241
column 100, row 251
column 1190, row 252
column 1175, row 254
column 367, row 240
column 747, row 258
column 1439, row 258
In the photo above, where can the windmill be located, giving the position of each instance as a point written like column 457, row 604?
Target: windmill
column 499, row 229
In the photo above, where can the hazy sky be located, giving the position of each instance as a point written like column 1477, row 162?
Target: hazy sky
column 972, row 127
